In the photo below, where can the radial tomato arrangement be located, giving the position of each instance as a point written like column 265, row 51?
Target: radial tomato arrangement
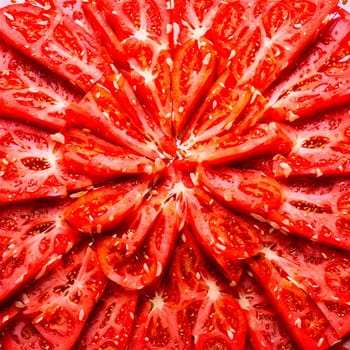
column 174, row 174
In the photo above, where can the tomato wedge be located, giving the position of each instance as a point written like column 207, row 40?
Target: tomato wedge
column 321, row 79
column 31, row 165
column 193, row 73
column 321, row 148
column 56, row 41
column 304, row 320
column 188, row 309
column 58, row 306
column 220, row 231
column 277, row 33
column 104, row 114
column 321, row 272
column 88, row 154
column 111, row 322
column 248, row 191
column 103, row 208
column 31, row 93
column 307, row 211
column 226, row 108
column 144, row 30
column 33, row 238
column 266, row 330
column 148, row 263
column 263, row 139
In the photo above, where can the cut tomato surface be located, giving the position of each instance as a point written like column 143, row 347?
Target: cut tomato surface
column 103, row 208
column 31, row 93
column 32, row 165
column 280, row 30
column 321, row 79
column 322, row 272
column 111, row 322
column 174, row 174
column 262, row 139
column 266, row 329
column 57, row 307
column 33, row 239
column 144, row 31
column 55, row 40
column 321, row 147
column 90, row 155
column 305, row 321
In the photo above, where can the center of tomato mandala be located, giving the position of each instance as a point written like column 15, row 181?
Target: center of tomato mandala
column 174, row 174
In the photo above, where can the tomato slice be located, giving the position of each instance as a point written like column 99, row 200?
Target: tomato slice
column 58, row 305
column 193, row 74
column 279, row 32
column 30, row 93
column 103, row 208
column 321, row 147
column 33, row 238
column 144, row 30
column 321, row 79
column 248, row 191
column 86, row 153
column 125, row 242
column 227, row 108
column 110, row 324
column 322, row 272
column 304, row 320
column 56, row 41
column 266, row 330
column 31, row 165
column 228, row 24
column 307, row 211
column 188, row 309
column 104, row 115
column 262, row 140
column 24, row 336
column 148, row 263
column 220, row 231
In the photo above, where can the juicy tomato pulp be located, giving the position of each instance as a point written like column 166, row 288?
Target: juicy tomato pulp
column 182, row 182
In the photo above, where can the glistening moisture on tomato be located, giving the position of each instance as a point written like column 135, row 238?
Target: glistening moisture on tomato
column 174, row 174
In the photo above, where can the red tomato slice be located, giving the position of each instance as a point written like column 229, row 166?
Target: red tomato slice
column 56, row 41
column 227, row 108
column 104, row 115
column 86, row 153
column 220, row 231
column 266, row 330
column 321, row 79
column 125, row 242
column 60, row 304
column 148, row 263
column 110, row 324
column 304, row 320
column 32, row 239
column 262, row 140
column 30, row 93
column 24, row 336
column 229, row 23
column 321, row 147
column 188, row 309
column 31, row 165
column 316, row 209
column 103, row 208
column 192, row 75
column 249, row 191
column 276, row 34
column 144, row 29
column 322, row 272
